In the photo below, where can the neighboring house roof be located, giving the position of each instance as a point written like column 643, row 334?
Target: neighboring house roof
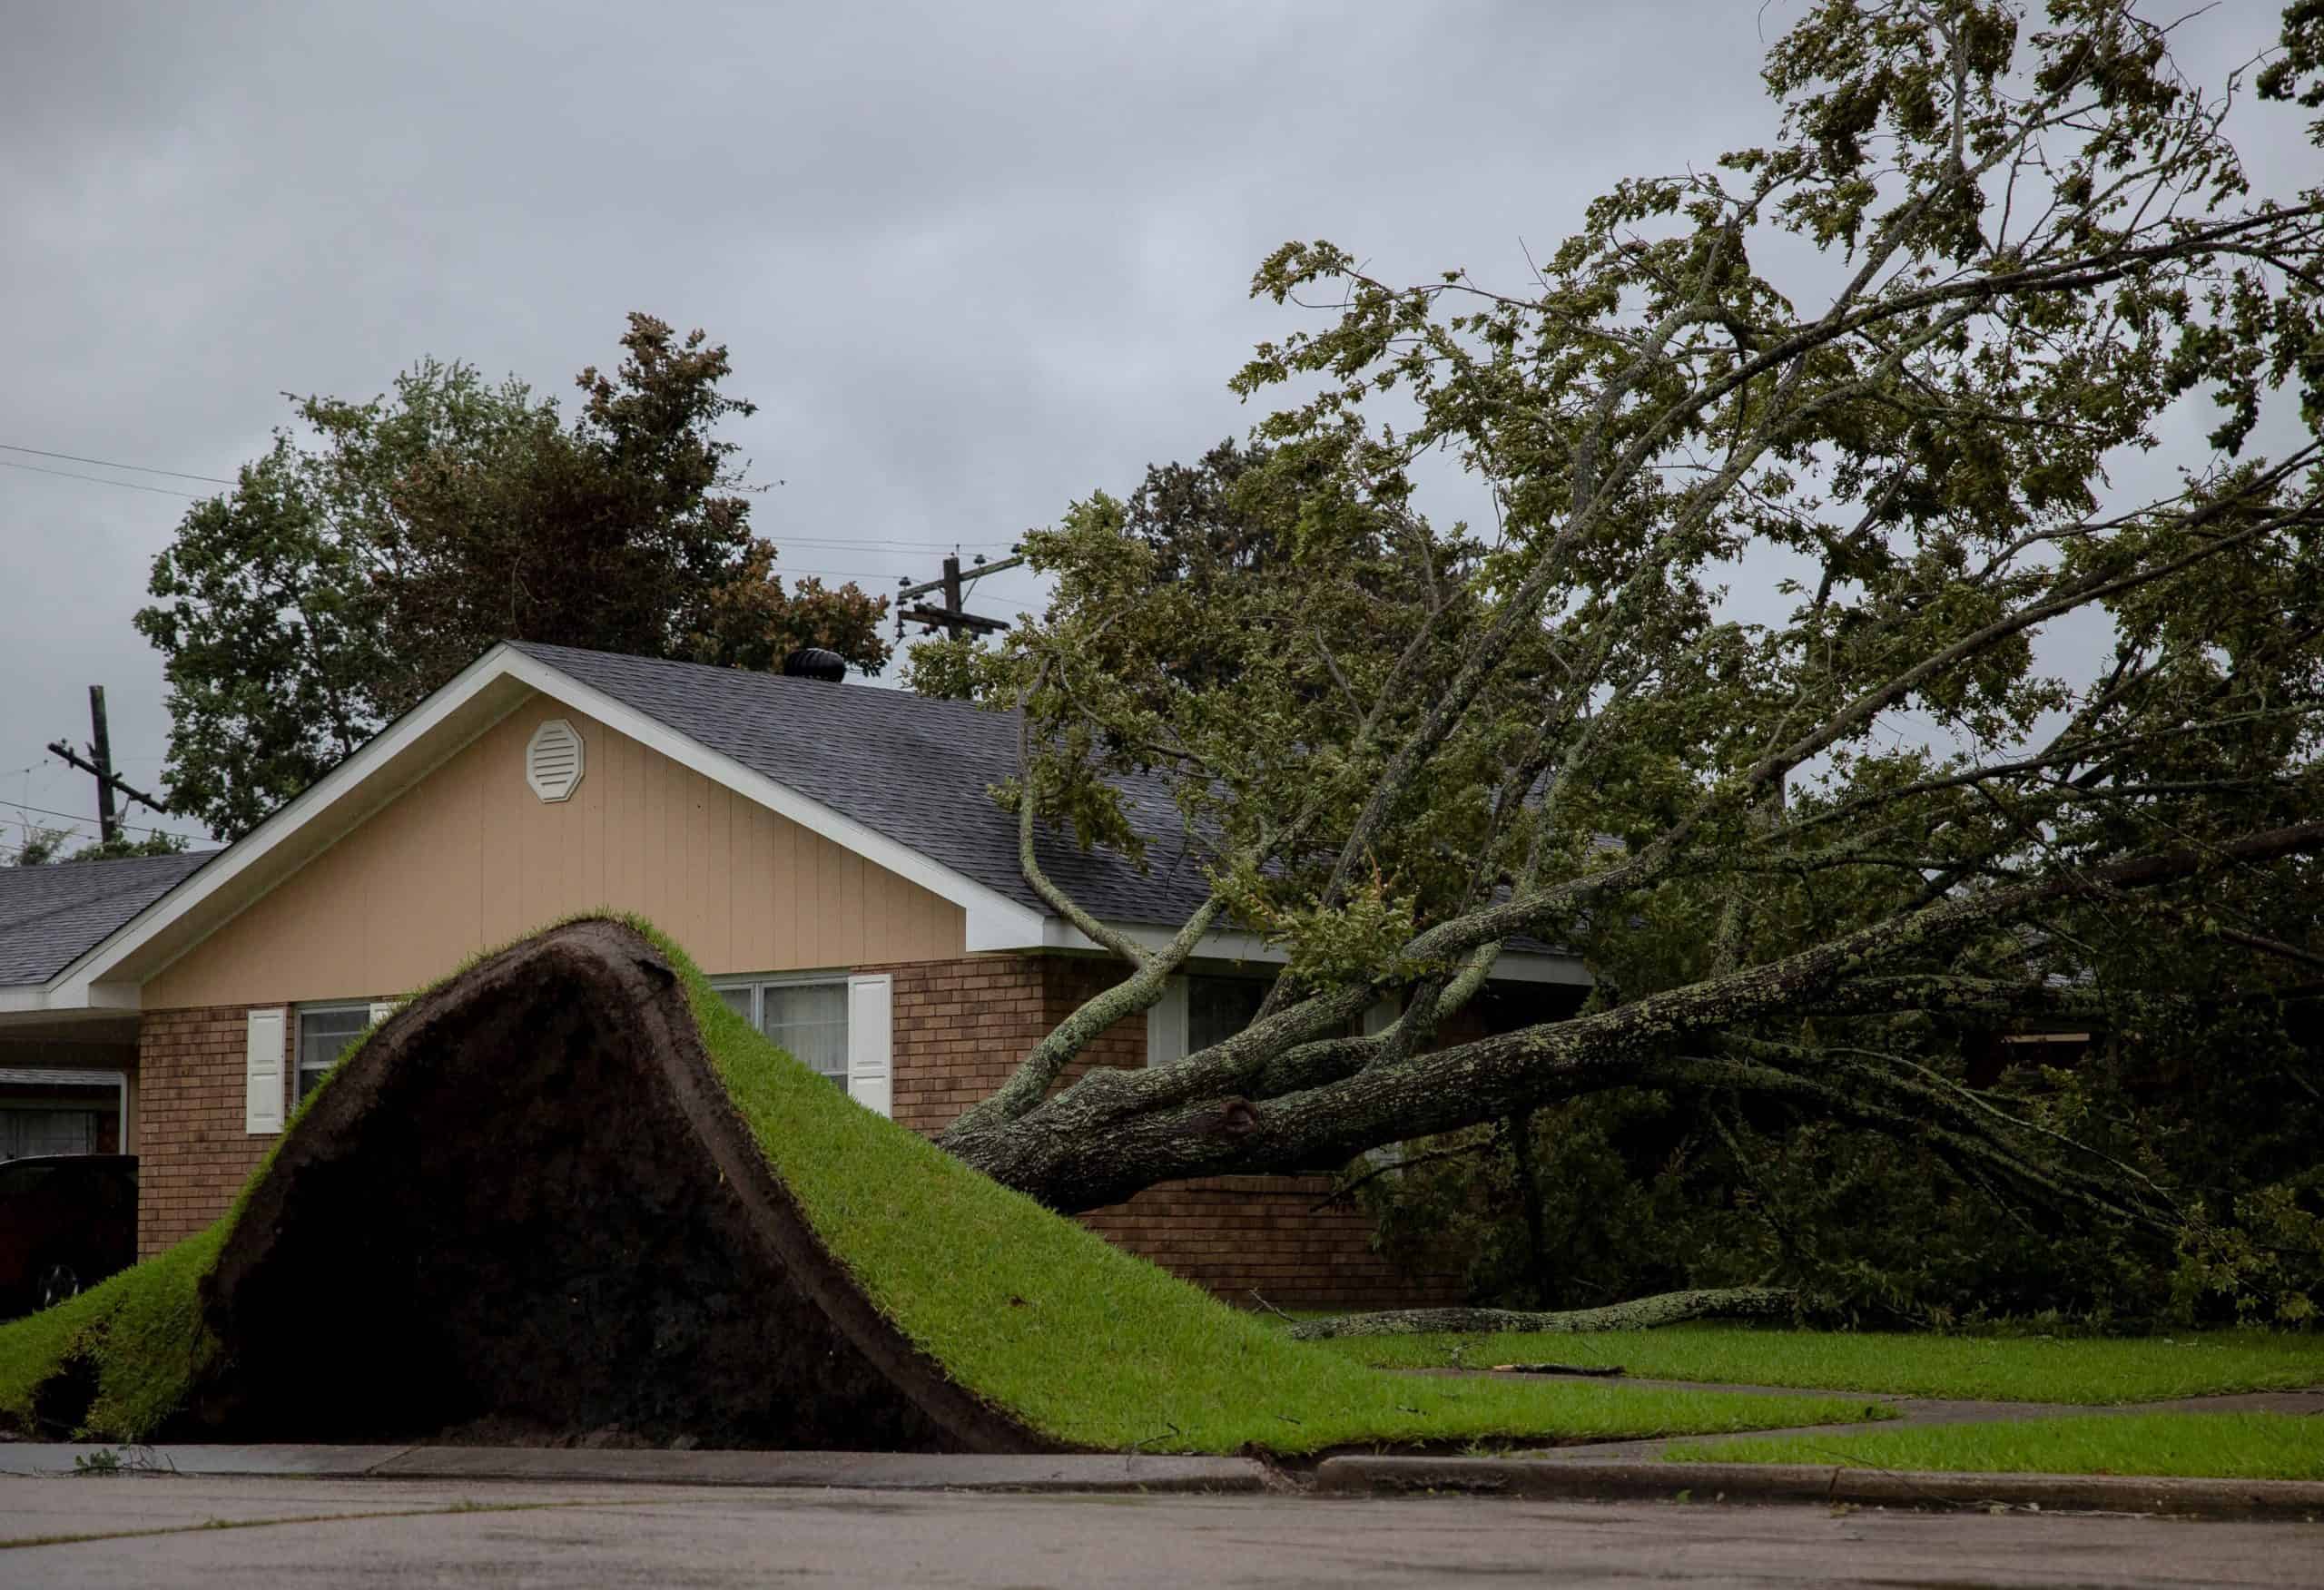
column 50, row 916
column 915, row 769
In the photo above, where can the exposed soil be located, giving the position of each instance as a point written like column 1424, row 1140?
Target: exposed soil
column 526, row 1213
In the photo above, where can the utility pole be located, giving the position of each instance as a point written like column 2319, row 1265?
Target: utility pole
column 100, row 750
column 98, row 762
column 951, row 618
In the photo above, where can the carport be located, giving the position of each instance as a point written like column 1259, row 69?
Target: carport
column 68, row 1065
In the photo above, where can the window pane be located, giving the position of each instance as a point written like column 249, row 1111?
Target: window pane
column 323, row 1036
column 1219, row 1007
column 738, row 1000
column 809, row 1020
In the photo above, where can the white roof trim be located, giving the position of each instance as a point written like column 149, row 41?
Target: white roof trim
column 73, row 985
column 991, row 914
column 994, row 920
column 1510, row 966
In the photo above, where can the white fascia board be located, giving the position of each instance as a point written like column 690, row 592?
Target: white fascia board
column 994, row 920
column 77, row 985
column 1510, row 967
column 63, row 998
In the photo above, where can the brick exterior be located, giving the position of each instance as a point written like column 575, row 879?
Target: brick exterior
column 959, row 1028
column 1236, row 1236
column 192, row 1153
column 962, row 1026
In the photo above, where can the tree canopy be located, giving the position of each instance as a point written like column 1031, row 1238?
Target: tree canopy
column 1896, row 371
column 363, row 561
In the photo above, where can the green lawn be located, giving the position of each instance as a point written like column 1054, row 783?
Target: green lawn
column 1081, row 1340
column 2214, row 1446
column 1099, row 1348
column 2101, row 1371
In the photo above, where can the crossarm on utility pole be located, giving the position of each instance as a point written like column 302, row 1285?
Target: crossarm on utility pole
column 57, row 748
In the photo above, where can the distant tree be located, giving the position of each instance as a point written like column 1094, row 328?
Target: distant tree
column 123, row 848
column 355, row 568
column 41, row 847
column 1207, row 518
column 45, row 846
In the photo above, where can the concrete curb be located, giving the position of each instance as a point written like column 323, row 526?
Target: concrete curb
column 1103, row 1473
column 1111, row 1472
column 1786, row 1482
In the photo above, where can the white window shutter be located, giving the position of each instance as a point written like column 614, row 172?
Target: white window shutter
column 1165, row 1025
column 268, row 1039
column 871, row 1042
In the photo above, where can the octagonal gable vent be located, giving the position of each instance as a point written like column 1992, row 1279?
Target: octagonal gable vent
column 552, row 760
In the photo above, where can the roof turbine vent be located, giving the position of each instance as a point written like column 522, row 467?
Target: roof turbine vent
column 816, row 662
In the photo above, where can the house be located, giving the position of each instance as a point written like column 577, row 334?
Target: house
column 830, row 853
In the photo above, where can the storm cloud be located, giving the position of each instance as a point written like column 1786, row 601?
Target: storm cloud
column 971, row 262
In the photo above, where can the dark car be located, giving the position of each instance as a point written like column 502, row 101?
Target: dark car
column 66, row 1222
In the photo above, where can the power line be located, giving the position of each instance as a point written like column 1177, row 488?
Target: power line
column 99, row 480
column 876, row 541
column 81, row 827
column 109, row 464
column 89, row 821
column 881, row 543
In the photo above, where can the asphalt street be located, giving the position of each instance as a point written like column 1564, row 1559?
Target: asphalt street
column 256, row 1533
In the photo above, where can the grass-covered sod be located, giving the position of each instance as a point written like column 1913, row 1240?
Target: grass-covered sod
column 2097, row 1371
column 1097, row 1348
column 2202, row 1446
column 1080, row 1340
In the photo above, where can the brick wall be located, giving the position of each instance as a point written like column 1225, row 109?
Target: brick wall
column 192, row 1153
column 960, row 1027
column 1238, row 1235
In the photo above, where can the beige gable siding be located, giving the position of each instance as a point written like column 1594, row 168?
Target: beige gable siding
column 470, row 857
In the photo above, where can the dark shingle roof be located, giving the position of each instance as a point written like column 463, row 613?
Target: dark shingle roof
column 50, row 916
column 911, row 768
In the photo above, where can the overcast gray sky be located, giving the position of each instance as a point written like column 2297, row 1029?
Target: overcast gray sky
column 971, row 260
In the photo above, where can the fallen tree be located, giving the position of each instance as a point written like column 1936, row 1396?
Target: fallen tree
column 1894, row 370
column 567, row 1196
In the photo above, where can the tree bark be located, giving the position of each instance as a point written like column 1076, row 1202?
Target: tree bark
column 1732, row 1302
column 1529, row 1188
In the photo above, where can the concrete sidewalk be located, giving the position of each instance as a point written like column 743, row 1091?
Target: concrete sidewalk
column 1097, row 1473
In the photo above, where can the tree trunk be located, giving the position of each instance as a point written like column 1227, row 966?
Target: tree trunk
column 1664, row 1309
column 1529, row 1188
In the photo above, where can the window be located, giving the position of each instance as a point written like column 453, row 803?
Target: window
column 1219, row 1007
column 809, row 1020
column 25, row 1132
column 324, row 1032
column 1196, row 1012
column 838, row 1026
